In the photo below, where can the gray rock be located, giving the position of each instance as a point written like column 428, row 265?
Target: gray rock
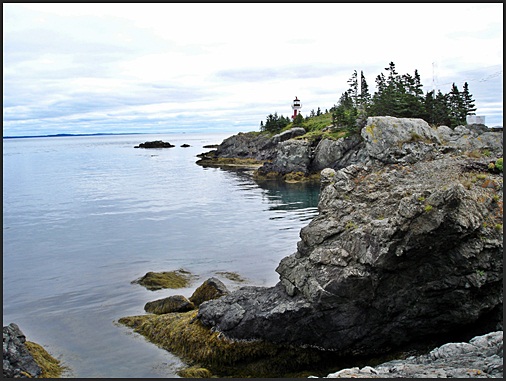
column 399, row 140
column 246, row 145
column 291, row 156
column 337, row 154
column 481, row 357
column 288, row 134
column 398, row 253
column 17, row 360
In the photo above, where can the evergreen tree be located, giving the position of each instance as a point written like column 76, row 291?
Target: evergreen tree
column 442, row 110
column 344, row 114
column 318, row 112
column 458, row 110
column 365, row 96
column 468, row 100
column 275, row 123
column 353, row 90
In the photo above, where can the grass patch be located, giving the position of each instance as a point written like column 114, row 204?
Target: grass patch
column 51, row 367
column 166, row 279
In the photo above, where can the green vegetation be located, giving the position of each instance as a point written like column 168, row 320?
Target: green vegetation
column 167, row 279
column 194, row 372
column 51, row 367
column 428, row 208
column 201, row 347
column 351, row 225
column 396, row 95
column 499, row 165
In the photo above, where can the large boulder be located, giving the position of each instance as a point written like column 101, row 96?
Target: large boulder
column 393, row 140
column 337, row 154
column 291, row 156
column 397, row 255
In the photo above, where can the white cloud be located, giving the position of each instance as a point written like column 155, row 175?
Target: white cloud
column 131, row 67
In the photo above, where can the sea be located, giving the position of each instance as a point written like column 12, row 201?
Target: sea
column 85, row 216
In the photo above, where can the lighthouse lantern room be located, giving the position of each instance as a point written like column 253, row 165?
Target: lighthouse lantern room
column 296, row 106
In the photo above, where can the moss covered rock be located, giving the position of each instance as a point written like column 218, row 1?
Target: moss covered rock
column 211, row 289
column 201, row 347
column 174, row 303
column 166, row 279
column 51, row 367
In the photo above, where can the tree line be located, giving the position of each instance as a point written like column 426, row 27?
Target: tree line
column 401, row 96
column 396, row 95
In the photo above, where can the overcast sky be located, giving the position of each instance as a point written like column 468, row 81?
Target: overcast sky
column 87, row 68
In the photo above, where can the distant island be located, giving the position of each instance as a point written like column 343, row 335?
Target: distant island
column 67, row 135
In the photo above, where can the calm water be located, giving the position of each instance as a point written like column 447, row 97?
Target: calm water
column 85, row 216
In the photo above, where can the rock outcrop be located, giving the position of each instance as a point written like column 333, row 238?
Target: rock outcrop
column 407, row 247
column 155, row 144
column 481, row 357
column 248, row 148
column 384, row 140
column 17, row 360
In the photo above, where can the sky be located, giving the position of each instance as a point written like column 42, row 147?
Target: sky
column 162, row 68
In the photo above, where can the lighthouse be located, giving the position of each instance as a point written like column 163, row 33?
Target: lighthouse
column 296, row 107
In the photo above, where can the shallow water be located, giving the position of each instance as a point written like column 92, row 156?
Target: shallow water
column 85, row 216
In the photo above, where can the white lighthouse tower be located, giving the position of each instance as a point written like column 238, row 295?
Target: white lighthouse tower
column 296, row 106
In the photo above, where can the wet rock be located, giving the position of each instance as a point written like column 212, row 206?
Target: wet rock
column 155, row 144
column 174, row 303
column 212, row 288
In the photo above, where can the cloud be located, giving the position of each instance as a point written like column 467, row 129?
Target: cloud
column 136, row 67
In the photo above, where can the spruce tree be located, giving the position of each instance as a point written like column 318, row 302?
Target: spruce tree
column 353, row 90
column 365, row 96
column 468, row 100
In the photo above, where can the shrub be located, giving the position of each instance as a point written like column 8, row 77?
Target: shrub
column 498, row 164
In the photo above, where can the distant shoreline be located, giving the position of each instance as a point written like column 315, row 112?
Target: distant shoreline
column 70, row 135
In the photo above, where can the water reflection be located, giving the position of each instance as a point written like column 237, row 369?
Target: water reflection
column 279, row 194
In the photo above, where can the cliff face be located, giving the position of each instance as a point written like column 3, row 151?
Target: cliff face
column 407, row 245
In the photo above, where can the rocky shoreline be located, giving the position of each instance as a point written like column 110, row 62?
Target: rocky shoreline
column 406, row 249
column 24, row 359
column 481, row 357
column 406, row 252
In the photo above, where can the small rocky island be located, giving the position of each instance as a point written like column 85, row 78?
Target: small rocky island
column 405, row 255
column 155, row 144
